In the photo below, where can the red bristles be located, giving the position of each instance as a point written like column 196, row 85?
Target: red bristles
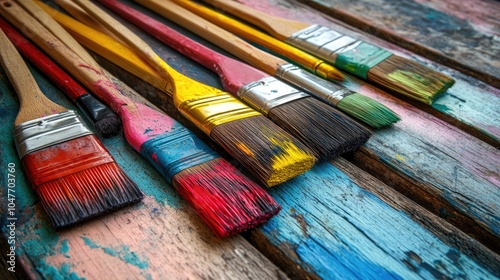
column 228, row 202
column 78, row 179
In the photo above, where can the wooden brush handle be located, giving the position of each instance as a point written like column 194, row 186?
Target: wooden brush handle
column 127, row 36
column 276, row 26
column 34, row 104
column 45, row 64
column 92, row 77
column 215, row 34
column 46, row 20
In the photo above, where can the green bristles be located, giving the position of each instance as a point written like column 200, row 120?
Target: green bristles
column 367, row 110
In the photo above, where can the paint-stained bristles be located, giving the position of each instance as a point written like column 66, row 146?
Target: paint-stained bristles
column 224, row 198
column 270, row 153
column 77, row 180
column 367, row 110
column 322, row 128
column 410, row 78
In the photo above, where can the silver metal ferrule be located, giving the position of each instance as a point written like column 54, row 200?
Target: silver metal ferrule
column 322, row 42
column 314, row 85
column 267, row 93
column 43, row 132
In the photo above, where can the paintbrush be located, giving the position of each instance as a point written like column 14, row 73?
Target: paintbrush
column 359, row 106
column 69, row 169
column 323, row 129
column 354, row 104
column 266, row 150
column 221, row 195
column 103, row 119
column 357, row 57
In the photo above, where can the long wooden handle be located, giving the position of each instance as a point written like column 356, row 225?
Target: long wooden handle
column 222, row 38
column 276, row 26
column 127, row 36
column 46, row 20
column 109, row 48
column 92, row 77
column 34, row 104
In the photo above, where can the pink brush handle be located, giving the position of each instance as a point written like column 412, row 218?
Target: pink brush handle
column 59, row 77
column 234, row 74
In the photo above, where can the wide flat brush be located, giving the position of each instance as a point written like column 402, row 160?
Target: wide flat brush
column 103, row 119
column 266, row 150
column 71, row 172
column 357, row 57
column 226, row 200
column 323, row 129
column 354, row 104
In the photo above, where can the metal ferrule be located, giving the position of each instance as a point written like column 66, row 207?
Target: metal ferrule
column 209, row 112
column 175, row 151
column 322, row 42
column 267, row 93
column 47, row 131
column 314, row 85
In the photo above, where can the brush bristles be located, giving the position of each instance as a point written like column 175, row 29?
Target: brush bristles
column 108, row 126
column 410, row 78
column 78, row 179
column 326, row 131
column 367, row 110
column 91, row 192
column 266, row 150
column 227, row 201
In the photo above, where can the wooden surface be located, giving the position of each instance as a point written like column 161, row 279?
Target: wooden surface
column 338, row 221
column 461, row 34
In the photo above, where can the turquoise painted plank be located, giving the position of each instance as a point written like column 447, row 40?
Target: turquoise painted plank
column 424, row 156
column 157, row 238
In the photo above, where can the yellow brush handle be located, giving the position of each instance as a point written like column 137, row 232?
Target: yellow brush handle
column 129, row 37
column 91, row 76
column 34, row 104
column 109, row 48
column 45, row 19
column 298, row 56
column 276, row 26
column 215, row 34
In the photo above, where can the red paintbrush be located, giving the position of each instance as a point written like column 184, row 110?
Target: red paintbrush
column 70, row 170
column 222, row 196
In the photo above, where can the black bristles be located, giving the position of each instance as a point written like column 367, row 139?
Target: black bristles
column 324, row 129
column 270, row 153
column 77, row 197
column 105, row 121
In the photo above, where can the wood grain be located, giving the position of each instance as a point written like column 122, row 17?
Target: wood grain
column 158, row 238
column 34, row 104
column 427, row 31
column 470, row 104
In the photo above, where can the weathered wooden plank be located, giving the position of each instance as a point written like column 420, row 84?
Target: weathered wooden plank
column 338, row 221
column 418, row 26
column 470, row 104
column 423, row 157
column 158, row 238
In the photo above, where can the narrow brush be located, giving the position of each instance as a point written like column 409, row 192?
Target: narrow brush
column 356, row 105
column 361, row 107
column 266, row 150
column 359, row 58
column 103, row 119
column 319, row 126
column 71, row 172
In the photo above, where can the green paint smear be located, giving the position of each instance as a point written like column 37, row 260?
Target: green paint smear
column 122, row 252
column 361, row 59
